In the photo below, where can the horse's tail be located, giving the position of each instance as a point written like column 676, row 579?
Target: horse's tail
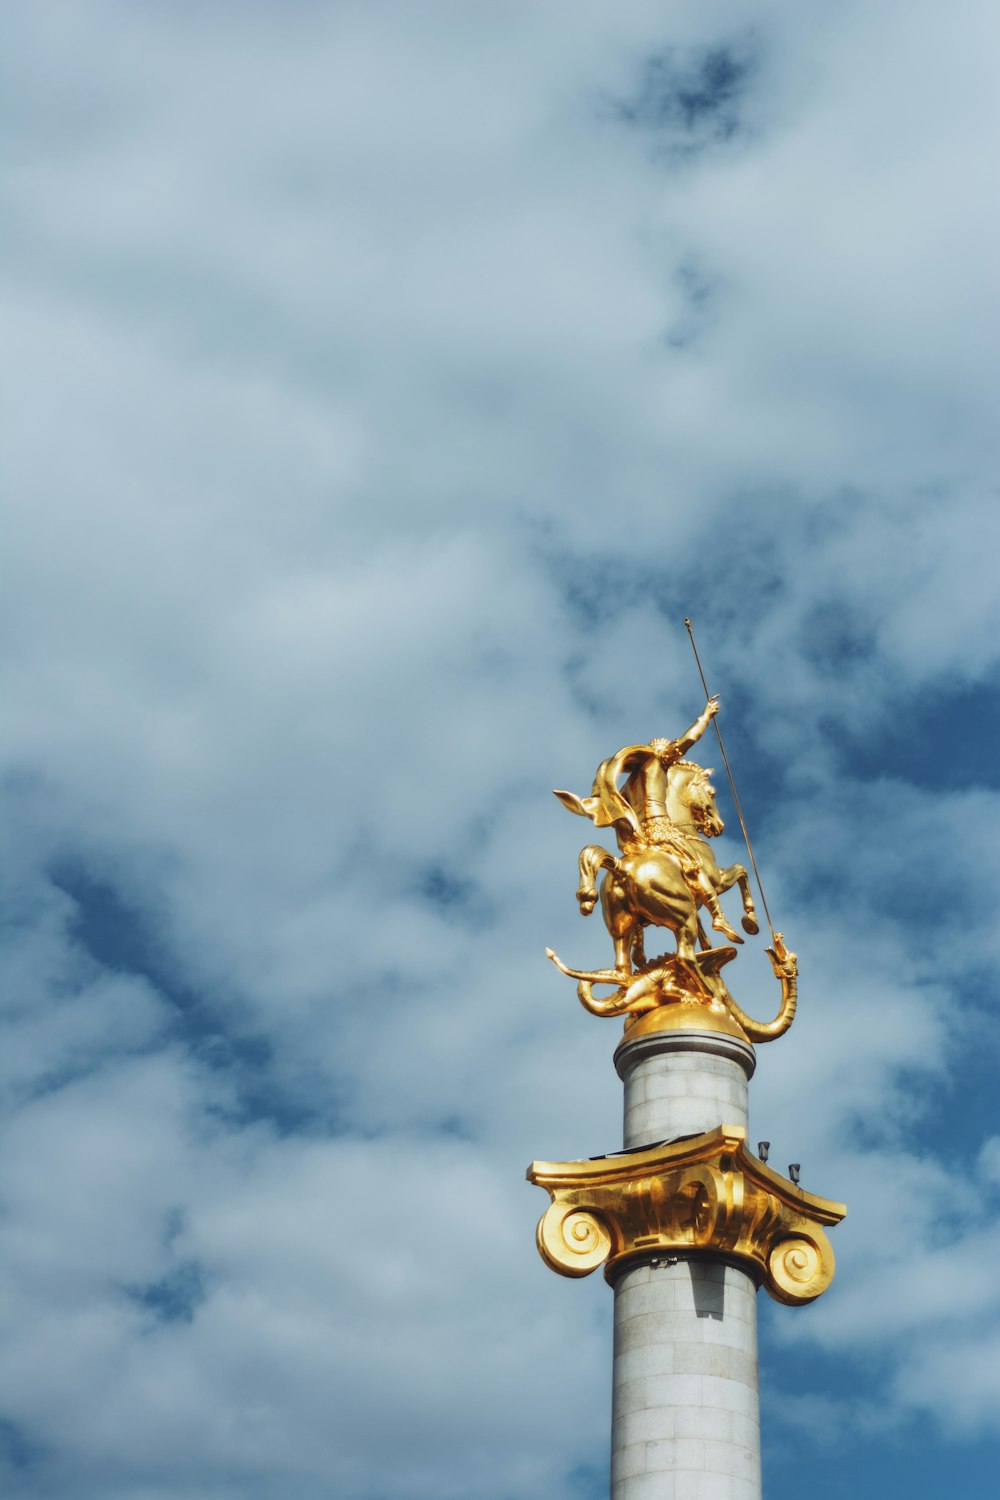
column 593, row 859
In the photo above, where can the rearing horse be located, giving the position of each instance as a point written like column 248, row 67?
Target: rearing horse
column 663, row 878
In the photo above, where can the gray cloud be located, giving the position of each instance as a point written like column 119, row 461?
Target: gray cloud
column 380, row 400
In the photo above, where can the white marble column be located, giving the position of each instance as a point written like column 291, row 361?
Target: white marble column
column 685, row 1409
column 681, row 1083
column 685, row 1413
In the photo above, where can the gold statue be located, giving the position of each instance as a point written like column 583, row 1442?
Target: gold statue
column 664, row 874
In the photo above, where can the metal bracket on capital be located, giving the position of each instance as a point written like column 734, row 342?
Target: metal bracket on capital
column 701, row 1194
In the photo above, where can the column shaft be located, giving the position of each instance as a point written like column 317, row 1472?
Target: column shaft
column 685, row 1413
column 686, row 1404
column 681, row 1083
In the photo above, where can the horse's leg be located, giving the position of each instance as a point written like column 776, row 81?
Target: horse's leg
column 592, row 859
column 711, row 881
column 623, row 949
column 619, row 921
column 750, row 923
column 710, row 897
column 704, row 941
column 638, row 947
column 737, row 875
column 686, row 935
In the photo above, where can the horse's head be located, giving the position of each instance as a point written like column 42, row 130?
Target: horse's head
column 698, row 796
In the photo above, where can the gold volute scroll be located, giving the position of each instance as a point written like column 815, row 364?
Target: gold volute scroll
column 704, row 1194
column 665, row 874
column 578, row 1242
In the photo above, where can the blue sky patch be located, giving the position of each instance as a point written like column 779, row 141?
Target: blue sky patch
column 175, row 1297
column 385, row 388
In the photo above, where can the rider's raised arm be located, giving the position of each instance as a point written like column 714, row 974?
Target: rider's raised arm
column 699, row 726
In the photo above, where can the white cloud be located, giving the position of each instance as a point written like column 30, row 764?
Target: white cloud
column 342, row 356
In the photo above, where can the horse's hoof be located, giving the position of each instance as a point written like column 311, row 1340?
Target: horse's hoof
column 751, row 925
column 721, row 925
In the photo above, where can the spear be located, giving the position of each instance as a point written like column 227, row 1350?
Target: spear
column 776, row 937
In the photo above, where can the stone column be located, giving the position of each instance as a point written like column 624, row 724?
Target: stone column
column 685, row 1403
column 685, row 1413
column 681, row 1082
column 687, row 1223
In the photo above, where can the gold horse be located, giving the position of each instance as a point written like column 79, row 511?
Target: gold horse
column 664, row 874
column 664, row 882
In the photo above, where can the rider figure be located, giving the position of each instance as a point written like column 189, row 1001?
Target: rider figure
column 638, row 810
column 646, row 789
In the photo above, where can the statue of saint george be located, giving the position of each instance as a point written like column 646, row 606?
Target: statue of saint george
column 664, row 874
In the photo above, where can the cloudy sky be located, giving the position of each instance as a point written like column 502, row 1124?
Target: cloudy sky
column 385, row 381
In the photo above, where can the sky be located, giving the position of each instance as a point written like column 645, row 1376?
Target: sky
column 385, row 380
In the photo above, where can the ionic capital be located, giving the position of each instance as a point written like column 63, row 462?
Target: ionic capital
column 703, row 1195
